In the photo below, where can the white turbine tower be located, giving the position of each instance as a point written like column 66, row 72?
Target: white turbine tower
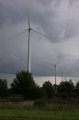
column 29, row 42
column 29, row 46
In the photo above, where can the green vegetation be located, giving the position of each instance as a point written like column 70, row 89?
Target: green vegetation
column 54, row 111
column 38, row 115
column 3, row 88
column 24, row 88
column 48, row 90
column 25, row 100
column 24, row 85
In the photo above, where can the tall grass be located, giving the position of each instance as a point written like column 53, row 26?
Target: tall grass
column 27, row 111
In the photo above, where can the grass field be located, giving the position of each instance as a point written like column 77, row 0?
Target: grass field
column 38, row 115
column 22, row 112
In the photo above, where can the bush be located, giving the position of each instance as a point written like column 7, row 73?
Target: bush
column 39, row 103
column 16, row 98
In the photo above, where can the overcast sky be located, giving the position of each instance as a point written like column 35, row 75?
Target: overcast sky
column 58, row 19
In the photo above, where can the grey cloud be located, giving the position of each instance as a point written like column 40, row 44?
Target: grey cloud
column 2, row 14
column 49, row 16
column 11, row 14
column 44, row 2
column 55, row 28
column 67, row 65
column 72, row 2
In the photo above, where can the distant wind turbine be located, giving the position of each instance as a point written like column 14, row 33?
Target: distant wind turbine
column 29, row 41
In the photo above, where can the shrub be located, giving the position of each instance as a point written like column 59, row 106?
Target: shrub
column 39, row 103
column 16, row 98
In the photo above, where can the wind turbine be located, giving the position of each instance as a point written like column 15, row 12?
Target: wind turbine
column 29, row 41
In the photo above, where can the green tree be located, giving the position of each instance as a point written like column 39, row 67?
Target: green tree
column 48, row 89
column 77, row 88
column 3, row 88
column 24, row 84
column 66, row 89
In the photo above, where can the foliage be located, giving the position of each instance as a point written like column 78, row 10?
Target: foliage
column 38, row 93
column 58, row 112
column 48, row 89
column 3, row 88
column 65, row 89
column 77, row 88
column 24, row 84
column 15, row 98
column 24, row 87
column 39, row 103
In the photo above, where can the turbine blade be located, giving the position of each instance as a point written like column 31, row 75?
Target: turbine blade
column 28, row 19
column 17, row 35
column 40, row 33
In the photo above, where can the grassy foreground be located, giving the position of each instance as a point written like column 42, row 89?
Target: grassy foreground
column 38, row 115
column 57, row 112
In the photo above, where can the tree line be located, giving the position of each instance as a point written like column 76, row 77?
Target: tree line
column 25, row 87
